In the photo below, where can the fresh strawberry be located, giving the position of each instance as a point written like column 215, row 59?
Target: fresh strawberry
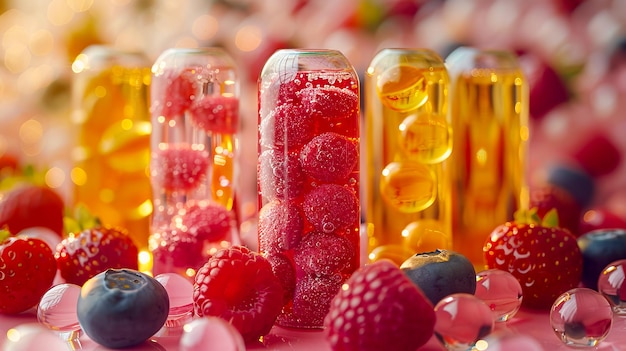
column 544, row 258
column 179, row 169
column 379, row 308
column 30, row 205
column 547, row 197
column 82, row 255
column 239, row 286
column 27, row 271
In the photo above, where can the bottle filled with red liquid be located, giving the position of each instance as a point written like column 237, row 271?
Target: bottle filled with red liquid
column 308, row 173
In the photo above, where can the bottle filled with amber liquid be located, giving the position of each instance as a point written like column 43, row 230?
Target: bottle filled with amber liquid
column 408, row 145
column 112, row 121
column 489, row 108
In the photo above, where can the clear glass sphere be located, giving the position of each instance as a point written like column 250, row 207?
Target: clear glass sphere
column 462, row 321
column 501, row 291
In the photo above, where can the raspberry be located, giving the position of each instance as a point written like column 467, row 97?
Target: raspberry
column 330, row 102
column 283, row 269
column 331, row 207
column 329, row 157
column 174, row 250
column 379, row 308
column 219, row 114
column 178, row 94
column 179, row 168
column 280, row 175
column 206, row 221
column 312, row 298
column 287, row 125
column 324, row 254
column 239, row 286
column 280, row 226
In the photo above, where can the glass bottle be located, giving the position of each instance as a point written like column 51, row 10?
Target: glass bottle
column 308, row 174
column 110, row 97
column 409, row 141
column 195, row 116
column 489, row 107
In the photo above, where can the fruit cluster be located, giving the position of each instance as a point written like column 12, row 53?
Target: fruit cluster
column 308, row 188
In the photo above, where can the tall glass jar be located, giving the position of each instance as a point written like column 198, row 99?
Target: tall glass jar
column 489, row 110
column 193, row 167
column 409, row 141
column 110, row 97
column 308, row 172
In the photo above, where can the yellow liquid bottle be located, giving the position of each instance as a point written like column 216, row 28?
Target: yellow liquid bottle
column 110, row 113
column 489, row 108
column 408, row 143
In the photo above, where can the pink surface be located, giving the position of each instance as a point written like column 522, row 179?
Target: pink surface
column 528, row 323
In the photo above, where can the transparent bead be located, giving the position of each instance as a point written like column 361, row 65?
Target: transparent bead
column 610, row 284
column 501, row 291
column 211, row 334
column 180, row 291
column 33, row 336
column 463, row 320
column 57, row 311
column 581, row 317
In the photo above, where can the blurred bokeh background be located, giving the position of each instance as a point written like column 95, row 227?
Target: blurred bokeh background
column 573, row 51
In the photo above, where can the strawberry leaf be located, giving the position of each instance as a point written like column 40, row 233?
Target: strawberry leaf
column 550, row 219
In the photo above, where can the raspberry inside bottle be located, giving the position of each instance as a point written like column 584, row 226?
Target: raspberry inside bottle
column 308, row 174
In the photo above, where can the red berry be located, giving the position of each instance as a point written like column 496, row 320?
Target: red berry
column 280, row 226
column 287, row 125
column 312, row 298
column 239, row 286
column 284, row 270
column 547, row 89
column 27, row 271
column 546, row 260
column 329, row 157
column 324, row 254
column 547, row 197
column 179, row 169
column 178, row 93
column 330, row 102
column 206, row 221
column 175, row 250
column 598, row 155
column 379, row 308
column 219, row 114
column 83, row 255
column 331, row 207
column 600, row 218
column 280, row 175
column 30, row 206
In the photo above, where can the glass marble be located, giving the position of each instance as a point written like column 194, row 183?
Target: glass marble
column 180, row 291
column 33, row 336
column 581, row 317
column 501, row 291
column 463, row 320
column 57, row 310
column 610, row 284
column 211, row 334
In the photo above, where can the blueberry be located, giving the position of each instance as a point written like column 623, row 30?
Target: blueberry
column 441, row 273
column 575, row 181
column 122, row 308
column 599, row 248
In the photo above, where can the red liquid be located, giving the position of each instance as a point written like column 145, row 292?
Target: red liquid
column 292, row 114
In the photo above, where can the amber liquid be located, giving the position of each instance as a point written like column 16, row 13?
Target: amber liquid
column 111, row 160
column 409, row 139
column 489, row 110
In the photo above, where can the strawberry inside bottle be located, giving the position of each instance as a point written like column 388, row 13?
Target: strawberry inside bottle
column 308, row 172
